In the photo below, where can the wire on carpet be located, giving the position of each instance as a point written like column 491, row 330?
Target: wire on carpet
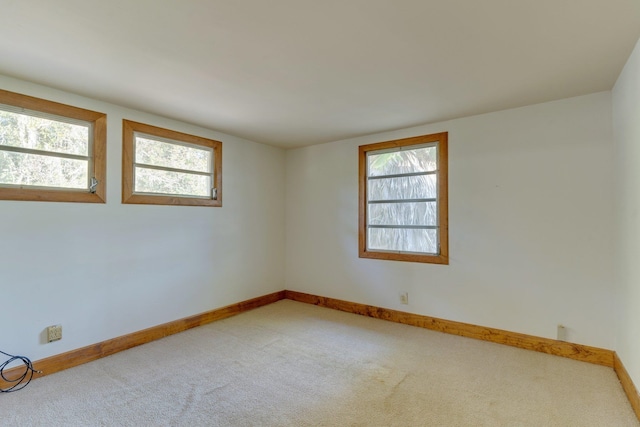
column 19, row 382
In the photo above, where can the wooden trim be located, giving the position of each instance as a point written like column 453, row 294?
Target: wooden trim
column 362, row 202
column 443, row 199
column 128, row 129
column 46, row 106
column 127, row 161
column 34, row 195
column 580, row 352
column 93, row 352
column 627, row 384
column 99, row 122
column 100, row 157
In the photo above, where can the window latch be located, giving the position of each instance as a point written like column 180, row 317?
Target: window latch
column 94, row 185
column 214, row 193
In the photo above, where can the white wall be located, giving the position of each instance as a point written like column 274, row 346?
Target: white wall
column 104, row 270
column 530, row 214
column 626, row 131
column 531, row 225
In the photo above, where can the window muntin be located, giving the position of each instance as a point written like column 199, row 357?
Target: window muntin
column 161, row 166
column 403, row 200
column 50, row 151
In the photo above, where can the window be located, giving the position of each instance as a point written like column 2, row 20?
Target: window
column 165, row 167
column 51, row 152
column 403, row 200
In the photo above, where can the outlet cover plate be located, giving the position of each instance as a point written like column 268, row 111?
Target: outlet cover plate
column 54, row 333
column 404, row 298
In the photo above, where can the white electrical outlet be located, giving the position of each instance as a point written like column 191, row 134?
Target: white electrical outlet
column 562, row 333
column 54, row 333
column 404, row 298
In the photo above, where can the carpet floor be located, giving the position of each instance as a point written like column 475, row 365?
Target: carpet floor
column 293, row 364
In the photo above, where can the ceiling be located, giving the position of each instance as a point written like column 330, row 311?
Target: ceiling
column 299, row 72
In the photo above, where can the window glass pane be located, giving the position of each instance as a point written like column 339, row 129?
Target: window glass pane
column 20, row 130
column 404, row 161
column 169, row 182
column 406, row 187
column 158, row 153
column 403, row 240
column 44, row 171
column 423, row 213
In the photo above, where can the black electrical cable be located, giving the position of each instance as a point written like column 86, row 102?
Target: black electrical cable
column 19, row 382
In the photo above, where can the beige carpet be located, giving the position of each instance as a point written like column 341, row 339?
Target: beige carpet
column 292, row 364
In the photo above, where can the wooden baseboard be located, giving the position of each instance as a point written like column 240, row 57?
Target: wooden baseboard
column 93, row 352
column 580, row 352
column 627, row 384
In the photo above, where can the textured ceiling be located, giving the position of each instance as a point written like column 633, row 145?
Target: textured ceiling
column 300, row 72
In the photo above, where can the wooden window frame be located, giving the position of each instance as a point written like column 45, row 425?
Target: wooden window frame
column 98, row 150
column 442, row 257
column 129, row 197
